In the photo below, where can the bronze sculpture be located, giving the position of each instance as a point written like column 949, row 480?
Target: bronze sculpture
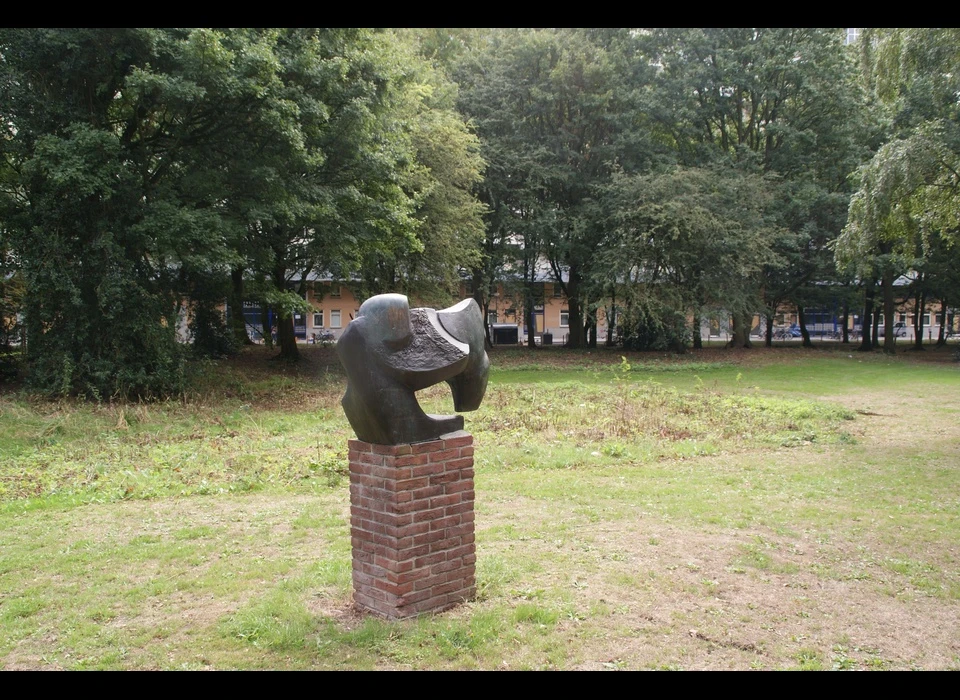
column 391, row 351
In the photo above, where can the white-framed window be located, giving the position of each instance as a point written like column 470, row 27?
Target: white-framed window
column 926, row 319
column 335, row 291
column 853, row 34
column 318, row 319
column 491, row 317
column 564, row 318
column 902, row 317
column 557, row 291
column 335, row 318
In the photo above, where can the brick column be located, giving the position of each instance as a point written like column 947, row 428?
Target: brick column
column 412, row 529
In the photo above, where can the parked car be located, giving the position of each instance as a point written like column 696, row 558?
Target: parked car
column 899, row 330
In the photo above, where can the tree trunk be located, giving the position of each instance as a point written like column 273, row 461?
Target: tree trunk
column 942, row 337
column 802, row 320
column 697, row 335
column 890, row 334
column 575, row 308
column 740, row 332
column 866, row 324
column 768, row 336
column 846, row 322
column 530, row 320
column 285, row 333
column 266, row 325
column 919, row 302
column 591, row 329
column 484, row 303
column 238, row 324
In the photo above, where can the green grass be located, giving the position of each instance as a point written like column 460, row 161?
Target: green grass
column 651, row 512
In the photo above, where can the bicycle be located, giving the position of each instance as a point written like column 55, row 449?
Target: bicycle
column 782, row 334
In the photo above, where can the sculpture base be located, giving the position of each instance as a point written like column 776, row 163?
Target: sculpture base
column 412, row 525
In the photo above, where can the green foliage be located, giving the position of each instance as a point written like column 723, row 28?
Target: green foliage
column 685, row 240
column 555, row 113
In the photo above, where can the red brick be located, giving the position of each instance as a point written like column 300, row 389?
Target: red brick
column 466, row 451
column 430, row 537
column 469, row 559
column 434, row 603
column 431, row 446
column 411, row 460
column 450, row 521
column 411, row 576
column 368, row 458
column 444, row 455
column 428, row 515
column 445, row 544
column 412, row 484
column 397, row 589
column 430, row 560
column 462, row 485
column 447, row 587
column 357, row 468
column 428, row 492
column 413, row 529
column 445, row 566
column 459, row 441
column 368, row 481
column 427, row 583
column 412, row 506
column 460, row 551
column 359, row 445
column 413, row 598
column 460, row 464
column 383, row 540
column 392, row 449
column 444, row 478
column 388, row 564
column 428, row 469
column 446, row 502
column 461, row 530
column 398, row 568
column 458, row 508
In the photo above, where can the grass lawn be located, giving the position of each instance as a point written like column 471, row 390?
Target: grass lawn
column 770, row 509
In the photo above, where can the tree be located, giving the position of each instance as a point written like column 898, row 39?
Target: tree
column 553, row 111
column 686, row 240
column 778, row 101
column 112, row 137
column 443, row 165
column 908, row 194
column 149, row 166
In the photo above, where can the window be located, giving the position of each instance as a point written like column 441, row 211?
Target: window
column 902, row 318
column 565, row 318
column 557, row 291
column 318, row 319
column 853, row 34
column 491, row 317
column 335, row 318
column 926, row 319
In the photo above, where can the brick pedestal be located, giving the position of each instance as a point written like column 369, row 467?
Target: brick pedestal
column 412, row 529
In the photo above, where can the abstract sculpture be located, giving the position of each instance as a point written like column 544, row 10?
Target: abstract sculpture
column 391, row 351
